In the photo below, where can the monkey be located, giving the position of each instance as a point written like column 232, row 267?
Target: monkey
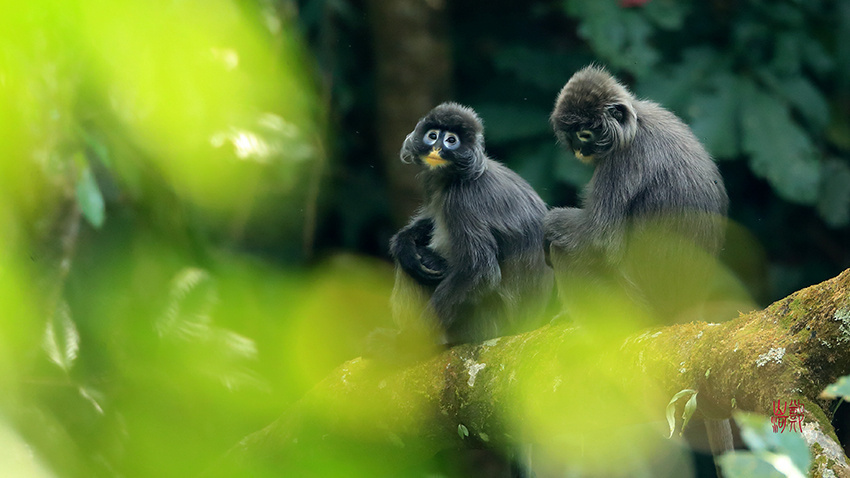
column 655, row 206
column 471, row 263
column 473, row 252
column 652, row 217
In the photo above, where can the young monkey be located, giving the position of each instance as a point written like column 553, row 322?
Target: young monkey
column 474, row 251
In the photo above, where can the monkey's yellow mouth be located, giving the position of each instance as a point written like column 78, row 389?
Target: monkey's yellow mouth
column 583, row 158
column 434, row 159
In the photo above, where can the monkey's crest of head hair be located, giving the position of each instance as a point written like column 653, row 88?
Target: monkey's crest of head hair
column 593, row 99
column 460, row 120
column 457, row 118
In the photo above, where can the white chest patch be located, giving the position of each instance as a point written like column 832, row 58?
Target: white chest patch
column 440, row 241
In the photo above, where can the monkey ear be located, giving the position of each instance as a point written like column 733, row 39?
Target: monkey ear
column 406, row 153
column 618, row 111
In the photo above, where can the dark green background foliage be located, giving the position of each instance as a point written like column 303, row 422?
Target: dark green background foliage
column 195, row 211
column 765, row 86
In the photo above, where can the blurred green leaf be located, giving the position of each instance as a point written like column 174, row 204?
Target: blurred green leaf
column 667, row 14
column 690, row 408
column 787, row 56
column 834, row 199
column 807, row 99
column 780, row 151
column 61, row 339
column 715, row 117
column 618, row 35
column 93, row 396
column 90, row 199
column 817, row 58
column 745, row 465
column 97, row 147
column 674, row 86
column 786, row 451
column 18, row 458
column 462, row 431
column 841, row 387
column 671, row 408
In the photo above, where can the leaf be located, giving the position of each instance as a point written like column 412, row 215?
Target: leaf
column 192, row 295
column 714, row 117
column 780, row 151
column 94, row 397
column 97, row 147
column 674, row 86
column 690, row 408
column 817, row 58
column 841, row 388
column 618, row 35
column 667, row 14
column 786, row 451
column 787, row 54
column 671, row 408
column 834, row 199
column 806, row 99
column 462, row 431
column 746, row 465
column 61, row 338
column 90, row 199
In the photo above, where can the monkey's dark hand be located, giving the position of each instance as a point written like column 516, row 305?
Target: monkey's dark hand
column 432, row 266
column 409, row 248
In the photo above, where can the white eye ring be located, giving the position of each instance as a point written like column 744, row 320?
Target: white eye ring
column 451, row 141
column 431, row 137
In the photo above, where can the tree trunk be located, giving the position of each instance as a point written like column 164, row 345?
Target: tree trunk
column 413, row 69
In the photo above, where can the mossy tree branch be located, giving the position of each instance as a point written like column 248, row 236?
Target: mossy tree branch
column 472, row 393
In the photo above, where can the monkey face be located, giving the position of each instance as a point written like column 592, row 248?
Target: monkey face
column 448, row 140
column 593, row 115
column 590, row 138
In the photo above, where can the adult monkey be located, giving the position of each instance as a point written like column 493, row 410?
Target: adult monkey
column 653, row 211
column 652, row 217
column 470, row 264
column 473, row 254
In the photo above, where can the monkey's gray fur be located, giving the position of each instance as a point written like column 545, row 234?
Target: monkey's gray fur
column 652, row 217
column 653, row 178
column 477, row 240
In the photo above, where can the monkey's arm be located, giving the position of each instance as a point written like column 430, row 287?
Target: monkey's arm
column 409, row 248
column 564, row 227
column 598, row 229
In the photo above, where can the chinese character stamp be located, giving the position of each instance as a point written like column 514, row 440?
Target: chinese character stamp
column 787, row 415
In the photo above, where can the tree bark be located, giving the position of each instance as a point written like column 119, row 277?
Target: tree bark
column 527, row 387
column 413, row 74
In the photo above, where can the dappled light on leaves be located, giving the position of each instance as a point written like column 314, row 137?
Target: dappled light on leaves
column 137, row 137
column 209, row 105
column 584, row 395
column 344, row 299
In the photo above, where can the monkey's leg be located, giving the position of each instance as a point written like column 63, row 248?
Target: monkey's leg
column 416, row 335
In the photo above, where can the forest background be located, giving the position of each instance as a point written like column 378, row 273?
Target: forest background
column 196, row 197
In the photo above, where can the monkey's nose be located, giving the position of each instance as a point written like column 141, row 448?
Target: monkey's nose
column 585, row 136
